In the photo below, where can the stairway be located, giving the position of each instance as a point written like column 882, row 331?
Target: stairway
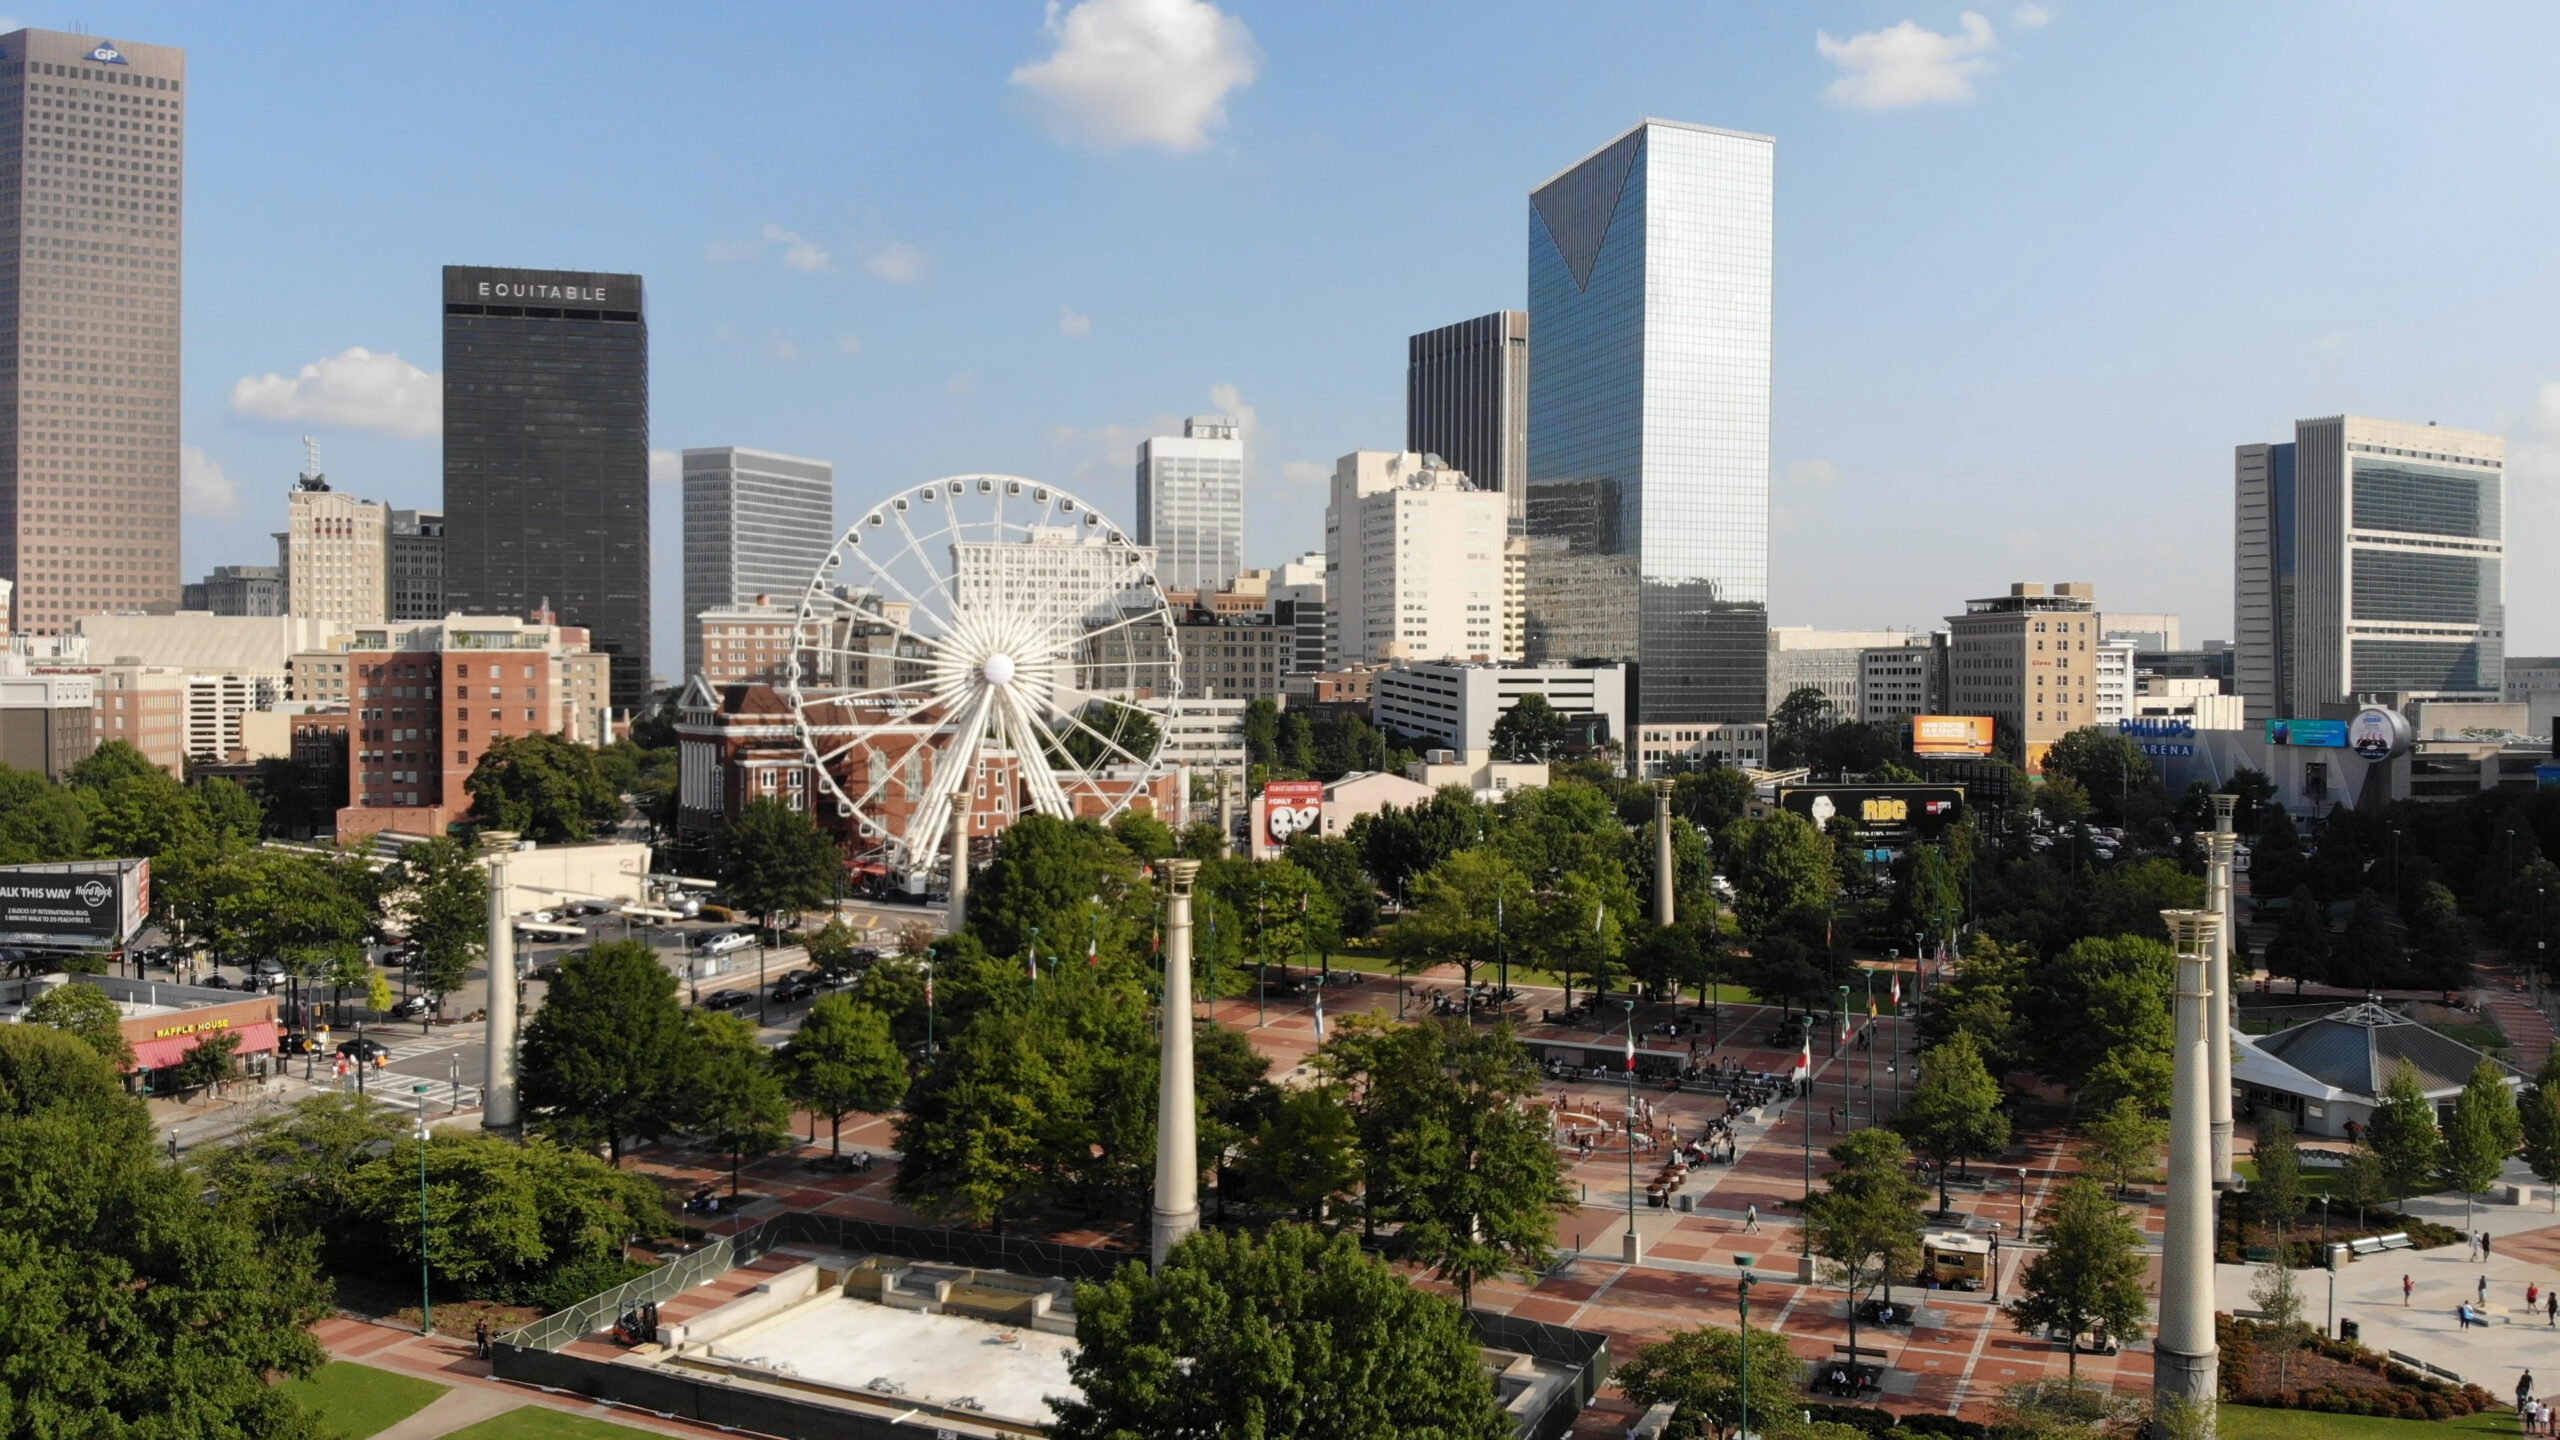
column 2528, row 1031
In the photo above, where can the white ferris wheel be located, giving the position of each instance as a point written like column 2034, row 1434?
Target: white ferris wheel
column 974, row 644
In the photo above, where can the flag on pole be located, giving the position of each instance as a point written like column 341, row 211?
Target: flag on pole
column 1897, row 990
column 1597, row 915
column 928, row 987
column 1319, row 1014
column 1092, row 952
column 1804, row 1059
column 1631, row 1046
column 1035, row 967
column 1871, row 1004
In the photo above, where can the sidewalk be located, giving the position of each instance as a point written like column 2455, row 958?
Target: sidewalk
column 475, row 1397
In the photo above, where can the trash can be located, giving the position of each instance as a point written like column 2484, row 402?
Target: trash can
column 2350, row 1331
column 1688, row 1203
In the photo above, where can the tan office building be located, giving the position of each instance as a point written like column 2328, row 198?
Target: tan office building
column 2028, row 659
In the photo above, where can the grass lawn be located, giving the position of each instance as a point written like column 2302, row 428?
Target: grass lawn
column 2250, row 1422
column 535, row 1422
column 357, row 1400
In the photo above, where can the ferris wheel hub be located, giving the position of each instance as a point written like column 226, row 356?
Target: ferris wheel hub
column 998, row 670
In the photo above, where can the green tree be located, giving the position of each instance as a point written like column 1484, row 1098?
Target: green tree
column 2484, row 1130
column 1336, row 865
column 1111, row 732
column 1701, row 1371
column 1147, row 837
column 1288, row 1336
column 1865, row 1225
column 603, row 1056
column 1577, row 928
column 1531, row 729
column 1781, row 871
column 843, row 1059
column 1449, row 1146
column 112, row 761
column 2100, row 1001
column 40, row 821
column 775, row 862
column 2090, row 1274
column 1796, row 723
column 1450, row 918
column 1306, row 1154
column 212, row 1062
column 2111, row 769
column 2300, row 950
column 543, row 787
column 136, row 1304
column 500, row 1216
column 2369, row 954
column 730, row 1094
column 86, row 1012
column 2538, row 1121
column 2403, row 1134
column 443, row 894
column 2362, row 1181
column 1954, row 1115
column 2277, row 1191
column 2123, row 1141
column 2279, row 1299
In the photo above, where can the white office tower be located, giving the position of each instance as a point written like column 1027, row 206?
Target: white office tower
column 2370, row 559
column 755, row 523
column 1413, row 561
column 1191, row 503
column 337, row 555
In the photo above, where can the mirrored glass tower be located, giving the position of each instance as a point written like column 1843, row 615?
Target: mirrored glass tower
column 1648, row 513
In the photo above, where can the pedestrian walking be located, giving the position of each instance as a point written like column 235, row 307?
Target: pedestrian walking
column 2462, row 1314
column 2532, row 1296
column 2484, row 1290
column 2407, row 1287
column 480, row 1337
column 2551, row 1309
column 1751, row 1220
column 2484, row 1244
column 2524, row 1389
column 2471, row 1251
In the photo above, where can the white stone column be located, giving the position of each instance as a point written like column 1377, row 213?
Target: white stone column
column 1663, row 891
column 2186, row 1363
column 956, row 913
column 498, row 1091
column 1177, row 1203
column 2220, row 847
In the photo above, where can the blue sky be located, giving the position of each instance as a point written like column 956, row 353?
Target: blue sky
column 2039, row 267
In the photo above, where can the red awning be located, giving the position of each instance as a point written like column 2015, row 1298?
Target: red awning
column 257, row 1038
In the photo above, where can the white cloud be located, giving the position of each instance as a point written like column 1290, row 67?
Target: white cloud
column 1073, row 325
column 2031, row 16
column 1803, row 494
column 1906, row 65
column 799, row 251
column 202, row 487
column 1306, row 472
column 897, row 262
column 1140, row 72
column 848, row 344
column 782, row 348
column 666, row 467
column 355, row 388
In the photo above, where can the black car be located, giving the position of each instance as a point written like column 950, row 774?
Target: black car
column 791, row 991
column 363, row 1049
column 729, row 1000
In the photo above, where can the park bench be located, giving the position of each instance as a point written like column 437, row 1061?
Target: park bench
column 1846, row 1377
column 2376, row 1244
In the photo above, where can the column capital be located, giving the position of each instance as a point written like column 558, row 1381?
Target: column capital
column 1179, row 875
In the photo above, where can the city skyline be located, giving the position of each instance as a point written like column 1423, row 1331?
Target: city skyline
column 1962, row 296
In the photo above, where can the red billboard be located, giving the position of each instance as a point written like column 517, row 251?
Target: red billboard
column 1290, row 807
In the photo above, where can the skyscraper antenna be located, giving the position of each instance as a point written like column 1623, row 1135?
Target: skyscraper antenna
column 311, row 478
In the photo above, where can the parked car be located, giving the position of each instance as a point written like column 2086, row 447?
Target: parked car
column 729, row 1000
column 792, row 991
column 724, row 943
column 362, row 1049
column 544, row 917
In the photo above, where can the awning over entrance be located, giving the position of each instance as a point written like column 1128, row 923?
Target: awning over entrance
column 255, row 1039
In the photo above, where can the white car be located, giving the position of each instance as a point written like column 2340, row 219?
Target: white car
column 723, row 944
column 543, row 917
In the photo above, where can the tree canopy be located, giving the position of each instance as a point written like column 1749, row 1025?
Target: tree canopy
column 605, row 1056
column 543, row 787
column 1288, row 1336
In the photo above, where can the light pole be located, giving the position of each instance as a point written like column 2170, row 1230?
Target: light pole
column 1744, row 1261
column 426, row 1297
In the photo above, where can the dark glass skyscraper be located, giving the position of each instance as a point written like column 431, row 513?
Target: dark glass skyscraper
column 1466, row 400
column 546, row 455
column 1648, row 506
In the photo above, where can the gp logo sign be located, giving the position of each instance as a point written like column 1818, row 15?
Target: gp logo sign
column 1290, row 807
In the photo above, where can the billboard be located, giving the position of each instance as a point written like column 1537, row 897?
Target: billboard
column 89, row 904
column 1289, row 807
column 2377, row 733
column 2310, row 734
column 1950, row 734
column 2171, row 735
column 1882, row 812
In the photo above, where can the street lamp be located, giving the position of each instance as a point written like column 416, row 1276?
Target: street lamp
column 426, row 1299
column 1744, row 1292
column 2324, row 1227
